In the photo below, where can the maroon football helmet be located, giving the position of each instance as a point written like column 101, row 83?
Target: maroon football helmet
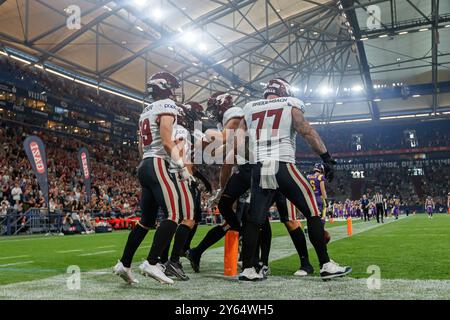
column 278, row 87
column 189, row 113
column 218, row 103
column 162, row 85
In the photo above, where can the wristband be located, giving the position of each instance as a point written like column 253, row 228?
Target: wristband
column 325, row 157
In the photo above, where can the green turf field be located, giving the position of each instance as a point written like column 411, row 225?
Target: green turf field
column 412, row 252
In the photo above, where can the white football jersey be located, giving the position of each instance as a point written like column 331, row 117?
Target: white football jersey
column 232, row 113
column 269, row 122
column 149, row 127
column 180, row 133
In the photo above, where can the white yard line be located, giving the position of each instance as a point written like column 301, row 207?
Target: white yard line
column 13, row 257
column 96, row 253
column 15, row 264
column 211, row 284
column 69, row 251
column 105, row 247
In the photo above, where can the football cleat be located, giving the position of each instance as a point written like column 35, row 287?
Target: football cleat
column 155, row 271
column 124, row 273
column 304, row 271
column 175, row 269
column 332, row 270
column 250, row 274
column 194, row 260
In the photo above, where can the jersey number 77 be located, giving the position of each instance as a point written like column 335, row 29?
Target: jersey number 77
column 260, row 116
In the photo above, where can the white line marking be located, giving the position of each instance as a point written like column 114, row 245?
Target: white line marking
column 68, row 251
column 15, row 264
column 104, row 247
column 96, row 253
column 14, row 257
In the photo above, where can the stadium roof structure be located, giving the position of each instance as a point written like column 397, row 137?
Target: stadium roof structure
column 348, row 59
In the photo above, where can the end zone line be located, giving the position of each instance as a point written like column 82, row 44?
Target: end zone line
column 14, row 257
column 96, row 253
column 15, row 264
column 69, row 251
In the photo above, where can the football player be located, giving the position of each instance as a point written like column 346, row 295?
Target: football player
column 317, row 182
column 221, row 109
column 273, row 123
column 160, row 188
column 429, row 207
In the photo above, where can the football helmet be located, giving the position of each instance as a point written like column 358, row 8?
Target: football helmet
column 162, row 85
column 218, row 103
column 318, row 167
column 189, row 113
column 278, row 87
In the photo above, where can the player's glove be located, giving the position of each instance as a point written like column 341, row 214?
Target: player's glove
column 215, row 199
column 328, row 164
column 185, row 175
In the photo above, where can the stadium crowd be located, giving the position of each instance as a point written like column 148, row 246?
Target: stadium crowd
column 64, row 88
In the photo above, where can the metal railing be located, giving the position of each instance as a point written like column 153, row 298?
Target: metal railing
column 30, row 222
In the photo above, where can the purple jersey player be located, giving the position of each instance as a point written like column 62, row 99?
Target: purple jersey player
column 429, row 206
column 317, row 181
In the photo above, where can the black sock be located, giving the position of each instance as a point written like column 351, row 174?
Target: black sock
column 187, row 245
column 299, row 240
column 249, row 244
column 135, row 239
column 258, row 251
column 317, row 238
column 265, row 241
column 213, row 236
column 180, row 239
column 161, row 240
column 165, row 254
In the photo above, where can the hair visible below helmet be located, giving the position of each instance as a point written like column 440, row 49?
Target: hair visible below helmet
column 318, row 167
column 194, row 112
column 161, row 85
column 278, row 87
column 218, row 104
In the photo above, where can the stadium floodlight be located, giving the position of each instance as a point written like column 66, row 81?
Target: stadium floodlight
column 295, row 89
column 357, row 88
column 403, row 32
column 382, row 36
column 339, row 103
column 170, row 48
column 423, row 29
column 325, row 91
column 377, row 100
column 364, row 38
column 416, row 95
column 189, row 37
column 157, row 14
column 139, row 28
column 447, row 26
column 203, row 47
column 140, row 3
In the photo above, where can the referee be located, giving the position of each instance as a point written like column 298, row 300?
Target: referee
column 378, row 199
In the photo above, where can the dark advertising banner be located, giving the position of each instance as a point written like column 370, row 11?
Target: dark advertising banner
column 35, row 150
column 85, row 167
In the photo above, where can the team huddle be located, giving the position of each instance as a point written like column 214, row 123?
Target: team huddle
column 257, row 147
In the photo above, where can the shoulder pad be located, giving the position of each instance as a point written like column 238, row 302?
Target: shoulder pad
column 296, row 103
column 234, row 112
column 166, row 106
